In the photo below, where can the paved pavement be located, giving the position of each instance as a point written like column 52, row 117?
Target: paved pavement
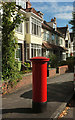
column 71, row 111
column 18, row 105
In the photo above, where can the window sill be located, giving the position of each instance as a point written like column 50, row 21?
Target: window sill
column 19, row 32
column 36, row 35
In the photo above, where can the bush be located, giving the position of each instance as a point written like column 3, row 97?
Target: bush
column 27, row 64
column 61, row 63
column 70, row 58
column 53, row 60
column 70, row 62
column 27, row 68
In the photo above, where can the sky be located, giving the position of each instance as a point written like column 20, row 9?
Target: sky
column 61, row 10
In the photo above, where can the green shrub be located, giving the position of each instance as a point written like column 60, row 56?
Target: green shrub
column 70, row 62
column 9, row 41
column 70, row 58
column 27, row 64
column 53, row 60
column 61, row 63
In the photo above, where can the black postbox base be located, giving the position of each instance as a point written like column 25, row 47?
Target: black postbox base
column 39, row 107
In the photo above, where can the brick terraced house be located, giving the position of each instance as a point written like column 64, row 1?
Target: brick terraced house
column 37, row 37
column 65, row 32
column 29, row 34
column 53, row 40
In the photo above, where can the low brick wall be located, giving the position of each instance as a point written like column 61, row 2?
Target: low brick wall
column 63, row 69
column 26, row 80
column 52, row 72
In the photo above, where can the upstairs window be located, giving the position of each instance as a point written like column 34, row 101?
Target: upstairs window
column 57, row 39
column 61, row 41
column 48, row 37
column 35, row 27
column 53, row 37
column 21, row 3
column 19, row 28
column 44, row 35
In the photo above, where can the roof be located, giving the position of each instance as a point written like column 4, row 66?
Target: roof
column 63, row 30
column 45, row 25
column 32, row 10
column 47, row 45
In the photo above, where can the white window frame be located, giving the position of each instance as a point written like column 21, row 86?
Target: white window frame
column 36, row 22
column 34, row 47
column 18, row 28
column 22, row 3
column 16, row 51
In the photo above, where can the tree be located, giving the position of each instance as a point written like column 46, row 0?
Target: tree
column 72, row 22
column 11, row 19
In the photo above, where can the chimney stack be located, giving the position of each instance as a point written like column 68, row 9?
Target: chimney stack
column 54, row 23
column 28, row 4
column 67, row 25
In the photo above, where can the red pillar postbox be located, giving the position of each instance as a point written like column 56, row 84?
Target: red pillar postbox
column 39, row 84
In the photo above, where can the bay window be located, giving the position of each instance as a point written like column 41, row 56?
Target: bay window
column 35, row 51
column 57, row 39
column 19, row 28
column 21, row 3
column 48, row 37
column 53, row 38
column 36, row 27
column 44, row 36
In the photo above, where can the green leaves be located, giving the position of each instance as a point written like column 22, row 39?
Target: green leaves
column 72, row 22
column 12, row 17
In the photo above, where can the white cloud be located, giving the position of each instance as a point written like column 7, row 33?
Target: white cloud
column 66, row 16
column 59, row 11
column 54, row 8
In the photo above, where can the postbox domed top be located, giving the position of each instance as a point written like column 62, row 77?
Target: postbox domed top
column 39, row 58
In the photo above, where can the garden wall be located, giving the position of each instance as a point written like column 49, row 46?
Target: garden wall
column 63, row 69
column 52, row 72
column 8, row 88
column 27, row 80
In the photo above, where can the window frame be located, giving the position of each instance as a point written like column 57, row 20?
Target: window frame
column 34, row 25
column 18, row 28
